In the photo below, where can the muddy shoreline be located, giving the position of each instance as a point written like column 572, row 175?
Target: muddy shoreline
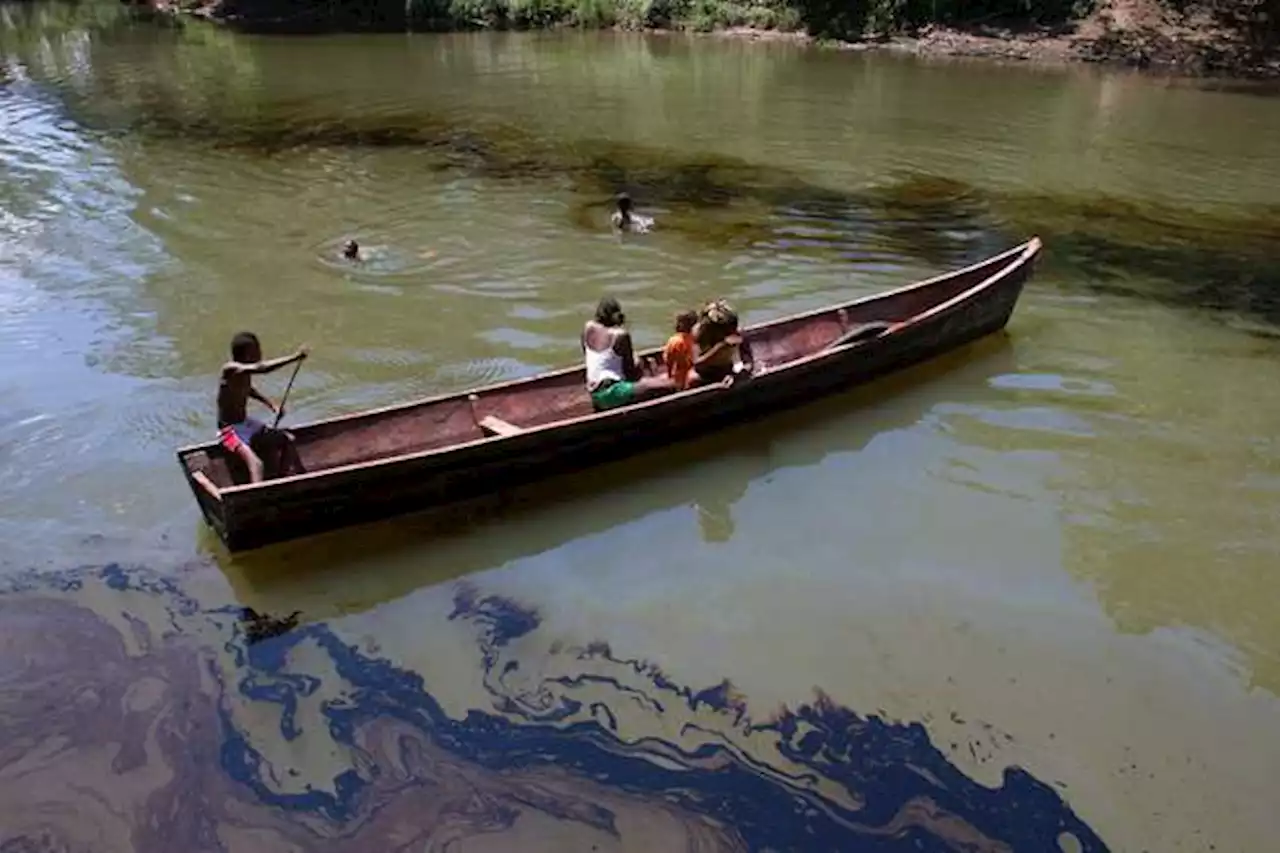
column 1087, row 42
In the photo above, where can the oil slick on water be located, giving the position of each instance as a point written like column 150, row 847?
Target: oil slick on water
column 140, row 719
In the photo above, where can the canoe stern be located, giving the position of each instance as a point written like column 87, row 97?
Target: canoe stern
column 195, row 465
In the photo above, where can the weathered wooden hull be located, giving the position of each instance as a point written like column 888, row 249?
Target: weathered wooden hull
column 966, row 305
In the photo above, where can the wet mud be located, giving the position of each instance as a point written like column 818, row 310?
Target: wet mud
column 139, row 718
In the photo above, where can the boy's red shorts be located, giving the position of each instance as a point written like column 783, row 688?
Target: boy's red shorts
column 236, row 436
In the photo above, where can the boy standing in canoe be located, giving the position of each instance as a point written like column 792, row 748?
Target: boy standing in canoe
column 236, row 430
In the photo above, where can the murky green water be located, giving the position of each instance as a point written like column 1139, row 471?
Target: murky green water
column 1035, row 584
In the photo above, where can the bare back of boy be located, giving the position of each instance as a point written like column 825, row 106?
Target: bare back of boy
column 233, row 394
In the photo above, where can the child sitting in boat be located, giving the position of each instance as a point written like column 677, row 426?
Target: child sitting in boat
column 236, row 430
column 677, row 355
column 722, row 352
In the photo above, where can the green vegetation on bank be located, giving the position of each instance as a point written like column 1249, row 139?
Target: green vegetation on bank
column 839, row 19
column 702, row 15
column 453, row 15
column 852, row 19
column 842, row 19
column 1235, row 36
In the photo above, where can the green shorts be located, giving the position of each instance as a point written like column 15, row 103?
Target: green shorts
column 614, row 395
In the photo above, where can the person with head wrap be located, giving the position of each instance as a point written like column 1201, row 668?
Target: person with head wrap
column 722, row 351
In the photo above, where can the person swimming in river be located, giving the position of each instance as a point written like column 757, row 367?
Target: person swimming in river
column 625, row 219
column 354, row 253
column 614, row 378
column 236, row 430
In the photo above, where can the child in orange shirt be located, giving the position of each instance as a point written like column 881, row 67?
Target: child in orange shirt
column 677, row 355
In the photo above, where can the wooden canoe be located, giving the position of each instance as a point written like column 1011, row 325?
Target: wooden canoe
column 428, row 453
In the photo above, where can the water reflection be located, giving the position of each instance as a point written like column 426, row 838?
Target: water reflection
column 1171, row 253
column 146, row 721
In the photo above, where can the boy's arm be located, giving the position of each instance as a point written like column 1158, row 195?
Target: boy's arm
column 263, row 399
column 273, row 364
column 267, row 366
column 711, row 353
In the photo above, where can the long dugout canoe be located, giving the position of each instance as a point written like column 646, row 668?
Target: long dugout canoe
column 428, row 453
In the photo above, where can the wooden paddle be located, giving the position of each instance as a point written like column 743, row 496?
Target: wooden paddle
column 285, row 397
column 285, row 440
column 859, row 334
column 862, row 332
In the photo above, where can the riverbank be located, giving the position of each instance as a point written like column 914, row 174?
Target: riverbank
column 1134, row 33
column 1195, row 39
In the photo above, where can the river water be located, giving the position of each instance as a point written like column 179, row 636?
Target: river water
column 1024, row 598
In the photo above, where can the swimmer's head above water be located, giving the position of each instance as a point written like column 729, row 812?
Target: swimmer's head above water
column 351, row 250
column 625, row 219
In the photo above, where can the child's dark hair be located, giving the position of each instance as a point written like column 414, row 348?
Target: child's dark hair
column 609, row 312
column 243, row 345
column 686, row 320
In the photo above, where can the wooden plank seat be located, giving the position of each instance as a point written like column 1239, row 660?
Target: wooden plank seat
column 494, row 425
